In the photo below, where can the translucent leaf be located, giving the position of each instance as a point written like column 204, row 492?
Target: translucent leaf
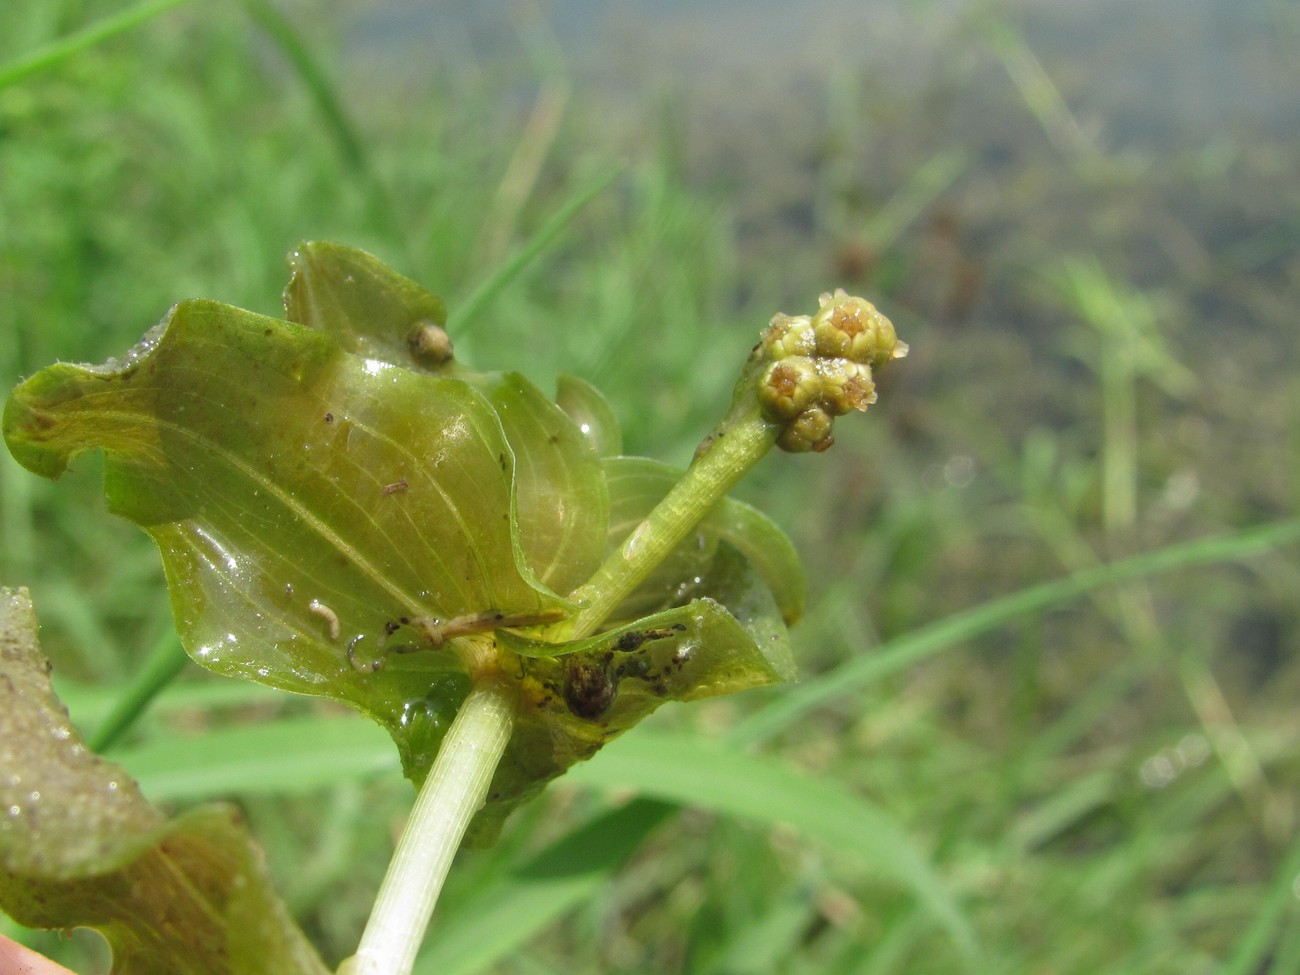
column 80, row 846
column 372, row 310
column 577, row 696
column 562, row 502
column 591, row 412
column 366, row 306
column 303, row 499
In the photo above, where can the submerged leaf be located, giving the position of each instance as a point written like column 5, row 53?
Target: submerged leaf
column 370, row 309
column 562, row 502
column 592, row 414
column 80, row 846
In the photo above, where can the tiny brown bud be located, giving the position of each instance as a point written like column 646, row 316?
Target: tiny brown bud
column 852, row 328
column 786, row 336
column 845, row 386
column 810, row 430
column 789, row 387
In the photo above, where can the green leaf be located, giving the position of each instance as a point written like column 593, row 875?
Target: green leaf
column 80, row 846
column 373, row 311
column 302, row 498
column 362, row 303
column 592, row 414
column 289, row 756
column 576, row 696
column 710, row 775
column 515, row 905
column 562, row 501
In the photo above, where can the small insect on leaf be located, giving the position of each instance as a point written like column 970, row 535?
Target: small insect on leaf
column 591, row 684
column 589, row 688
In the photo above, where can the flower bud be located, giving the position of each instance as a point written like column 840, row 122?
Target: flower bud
column 846, row 386
column 786, row 336
column 810, row 430
column 789, row 387
column 851, row 328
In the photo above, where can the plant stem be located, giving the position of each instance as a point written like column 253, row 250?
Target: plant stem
column 452, row 793
column 734, row 450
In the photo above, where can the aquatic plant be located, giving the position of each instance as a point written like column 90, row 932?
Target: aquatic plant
column 345, row 510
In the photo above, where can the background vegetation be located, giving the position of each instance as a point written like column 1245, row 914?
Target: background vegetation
column 1090, row 245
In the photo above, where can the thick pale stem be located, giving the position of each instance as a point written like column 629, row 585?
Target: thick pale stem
column 733, row 451
column 453, row 792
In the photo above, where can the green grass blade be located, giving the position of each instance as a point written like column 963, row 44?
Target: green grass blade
column 501, row 916
column 313, row 77
column 300, row 754
column 91, row 705
column 57, row 52
column 1039, row 93
column 1269, row 920
column 330, row 106
column 944, row 634
column 468, row 310
column 928, row 183
column 275, row 758
column 164, row 665
column 771, row 937
column 706, row 774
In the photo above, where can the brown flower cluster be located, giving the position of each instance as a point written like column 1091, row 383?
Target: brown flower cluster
column 821, row 367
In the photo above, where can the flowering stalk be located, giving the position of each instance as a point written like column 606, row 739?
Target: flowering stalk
column 804, row 372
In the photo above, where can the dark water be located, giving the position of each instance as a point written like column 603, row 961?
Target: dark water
column 755, row 96
column 1168, row 71
column 1161, row 138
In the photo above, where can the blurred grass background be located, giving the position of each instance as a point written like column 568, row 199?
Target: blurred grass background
column 1085, row 218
